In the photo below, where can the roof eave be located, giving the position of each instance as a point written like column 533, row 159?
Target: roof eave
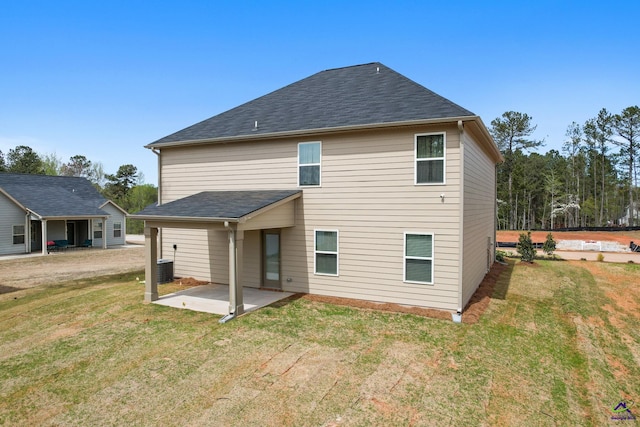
column 115, row 205
column 491, row 145
column 169, row 218
column 305, row 132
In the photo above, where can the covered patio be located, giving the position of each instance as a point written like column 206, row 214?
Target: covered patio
column 232, row 211
column 214, row 299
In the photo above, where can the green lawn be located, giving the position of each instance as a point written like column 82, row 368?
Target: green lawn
column 558, row 345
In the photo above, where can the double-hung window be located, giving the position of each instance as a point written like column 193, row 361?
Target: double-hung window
column 326, row 252
column 97, row 230
column 309, row 154
column 117, row 229
column 18, row 234
column 430, row 158
column 418, row 258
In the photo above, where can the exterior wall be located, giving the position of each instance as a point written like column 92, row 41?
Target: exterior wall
column 479, row 219
column 116, row 216
column 56, row 230
column 367, row 194
column 10, row 215
column 97, row 242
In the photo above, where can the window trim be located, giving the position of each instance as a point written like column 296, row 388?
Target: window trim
column 316, row 252
column 319, row 164
column 14, row 234
column 98, row 227
column 119, row 228
column 443, row 158
column 405, row 257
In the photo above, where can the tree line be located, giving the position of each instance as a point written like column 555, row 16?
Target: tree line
column 125, row 187
column 591, row 183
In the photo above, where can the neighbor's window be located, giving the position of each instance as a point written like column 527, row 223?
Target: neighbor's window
column 430, row 158
column 97, row 230
column 309, row 163
column 326, row 252
column 18, row 234
column 117, row 229
column 418, row 258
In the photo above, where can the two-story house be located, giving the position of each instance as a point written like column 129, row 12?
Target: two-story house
column 354, row 182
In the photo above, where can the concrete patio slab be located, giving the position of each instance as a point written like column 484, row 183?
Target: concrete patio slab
column 214, row 299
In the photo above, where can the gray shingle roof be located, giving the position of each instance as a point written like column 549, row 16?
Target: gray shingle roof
column 54, row 196
column 342, row 97
column 217, row 204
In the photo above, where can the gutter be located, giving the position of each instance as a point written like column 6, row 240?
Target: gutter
column 159, row 202
column 307, row 132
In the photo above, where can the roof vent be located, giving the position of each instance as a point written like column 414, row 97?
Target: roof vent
column 255, row 125
column 377, row 70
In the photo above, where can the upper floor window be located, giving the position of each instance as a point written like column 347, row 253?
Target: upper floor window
column 309, row 163
column 430, row 149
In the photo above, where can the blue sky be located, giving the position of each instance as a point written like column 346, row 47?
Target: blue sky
column 104, row 78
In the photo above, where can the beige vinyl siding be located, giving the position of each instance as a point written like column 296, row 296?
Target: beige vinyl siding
column 368, row 194
column 479, row 221
column 196, row 247
column 10, row 215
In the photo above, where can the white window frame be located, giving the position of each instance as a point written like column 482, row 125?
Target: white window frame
column 319, row 164
column 14, row 234
column 316, row 252
column 98, row 226
column 430, row 159
column 405, row 257
column 117, row 226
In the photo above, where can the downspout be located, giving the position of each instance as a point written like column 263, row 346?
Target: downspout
column 157, row 153
column 232, row 274
column 457, row 317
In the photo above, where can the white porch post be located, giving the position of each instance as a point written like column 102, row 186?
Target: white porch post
column 150, row 264
column 104, row 233
column 43, row 223
column 236, row 240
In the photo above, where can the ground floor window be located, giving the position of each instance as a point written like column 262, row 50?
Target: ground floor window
column 326, row 252
column 18, row 234
column 418, row 258
column 97, row 230
column 117, row 229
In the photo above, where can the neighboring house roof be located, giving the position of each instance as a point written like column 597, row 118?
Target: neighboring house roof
column 340, row 98
column 218, row 205
column 54, row 196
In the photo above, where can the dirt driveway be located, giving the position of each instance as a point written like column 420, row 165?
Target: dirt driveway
column 30, row 271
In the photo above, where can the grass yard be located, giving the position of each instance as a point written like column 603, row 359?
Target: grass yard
column 558, row 345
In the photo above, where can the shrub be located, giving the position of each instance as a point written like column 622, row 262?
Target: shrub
column 500, row 256
column 600, row 257
column 525, row 247
column 549, row 245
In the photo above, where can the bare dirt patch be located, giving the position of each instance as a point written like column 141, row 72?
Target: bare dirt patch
column 622, row 237
column 471, row 314
column 31, row 271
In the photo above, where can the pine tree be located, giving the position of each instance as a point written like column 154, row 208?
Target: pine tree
column 525, row 247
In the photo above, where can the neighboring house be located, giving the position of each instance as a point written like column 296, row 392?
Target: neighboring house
column 355, row 182
column 632, row 213
column 36, row 209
